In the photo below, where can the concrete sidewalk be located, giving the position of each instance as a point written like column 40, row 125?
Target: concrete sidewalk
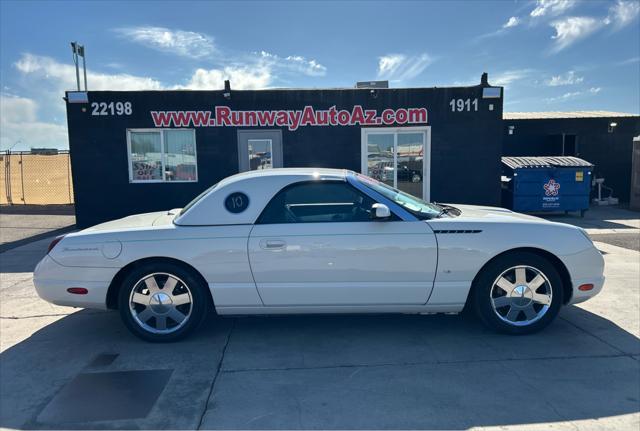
column 334, row 372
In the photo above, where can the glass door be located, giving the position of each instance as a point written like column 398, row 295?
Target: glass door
column 397, row 157
column 259, row 149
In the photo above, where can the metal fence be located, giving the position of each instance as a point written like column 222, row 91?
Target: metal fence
column 41, row 177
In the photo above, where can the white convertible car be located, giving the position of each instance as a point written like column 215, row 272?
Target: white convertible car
column 320, row 241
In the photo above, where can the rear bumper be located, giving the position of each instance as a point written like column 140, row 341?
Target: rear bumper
column 52, row 280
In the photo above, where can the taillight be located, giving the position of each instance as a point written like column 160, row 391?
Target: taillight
column 54, row 243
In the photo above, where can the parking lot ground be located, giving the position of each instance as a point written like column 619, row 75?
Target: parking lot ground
column 335, row 372
column 613, row 225
column 21, row 224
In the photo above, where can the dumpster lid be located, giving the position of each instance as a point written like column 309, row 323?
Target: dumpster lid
column 544, row 162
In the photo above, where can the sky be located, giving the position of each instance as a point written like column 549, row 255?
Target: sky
column 550, row 55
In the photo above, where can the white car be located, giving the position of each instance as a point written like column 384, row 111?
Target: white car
column 320, row 241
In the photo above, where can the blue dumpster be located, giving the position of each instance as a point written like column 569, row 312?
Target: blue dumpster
column 532, row 184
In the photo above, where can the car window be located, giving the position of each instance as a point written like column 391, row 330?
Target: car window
column 197, row 199
column 318, row 202
column 411, row 203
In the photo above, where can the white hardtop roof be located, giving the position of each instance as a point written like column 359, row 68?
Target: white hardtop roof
column 291, row 172
column 259, row 186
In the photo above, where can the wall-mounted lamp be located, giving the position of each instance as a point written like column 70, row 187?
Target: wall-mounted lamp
column 612, row 126
column 227, row 89
column 373, row 93
column 512, row 129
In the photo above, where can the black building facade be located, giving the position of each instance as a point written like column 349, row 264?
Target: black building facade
column 143, row 151
column 602, row 138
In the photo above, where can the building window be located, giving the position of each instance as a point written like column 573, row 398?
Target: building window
column 398, row 157
column 165, row 155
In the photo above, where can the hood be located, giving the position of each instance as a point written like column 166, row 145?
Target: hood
column 158, row 218
column 483, row 213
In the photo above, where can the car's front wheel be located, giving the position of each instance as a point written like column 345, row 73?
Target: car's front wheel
column 162, row 302
column 518, row 293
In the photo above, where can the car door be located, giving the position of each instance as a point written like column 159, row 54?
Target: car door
column 316, row 244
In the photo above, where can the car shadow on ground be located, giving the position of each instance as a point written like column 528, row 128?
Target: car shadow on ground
column 337, row 372
column 49, row 235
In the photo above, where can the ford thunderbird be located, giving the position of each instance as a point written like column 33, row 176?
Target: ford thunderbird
column 320, row 241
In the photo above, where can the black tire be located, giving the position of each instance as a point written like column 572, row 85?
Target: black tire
column 197, row 308
column 484, row 294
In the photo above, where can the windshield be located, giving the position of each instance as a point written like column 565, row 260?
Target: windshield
column 409, row 202
column 197, row 198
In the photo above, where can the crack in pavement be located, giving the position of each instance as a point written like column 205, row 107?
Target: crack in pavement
column 594, row 336
column 35, row 316
column 215, row 377
column 441, row 362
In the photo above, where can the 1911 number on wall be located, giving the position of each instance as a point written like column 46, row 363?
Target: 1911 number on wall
column 464, row 105
column 117, row 108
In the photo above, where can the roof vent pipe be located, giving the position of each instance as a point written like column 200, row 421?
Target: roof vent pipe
column 484, row 79
column 227, row 89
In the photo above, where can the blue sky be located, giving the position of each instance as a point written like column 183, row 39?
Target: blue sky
column 551, row 55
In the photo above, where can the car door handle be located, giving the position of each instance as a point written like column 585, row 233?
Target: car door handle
column 272, row 244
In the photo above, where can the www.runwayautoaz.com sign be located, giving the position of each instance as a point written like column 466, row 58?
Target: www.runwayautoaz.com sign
column 223, row 116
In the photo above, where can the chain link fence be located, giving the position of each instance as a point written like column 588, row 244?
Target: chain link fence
column 37, row 177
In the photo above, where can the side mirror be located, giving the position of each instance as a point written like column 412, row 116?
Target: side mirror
column 380, row 211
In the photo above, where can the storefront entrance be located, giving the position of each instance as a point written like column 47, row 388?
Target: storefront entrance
column 259, row 149
column 399, row 157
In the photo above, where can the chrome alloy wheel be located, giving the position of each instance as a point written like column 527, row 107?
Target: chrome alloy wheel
column 160, row 303
column 521, row 295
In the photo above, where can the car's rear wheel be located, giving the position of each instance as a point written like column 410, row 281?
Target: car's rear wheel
column 162, row 302
column 518, row 293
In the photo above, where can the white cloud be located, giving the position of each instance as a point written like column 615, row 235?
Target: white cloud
column 47, row 79
column 508, row 77
column 180, row 42
column 564, row 97
column 503, row 79
column 258, row 71
column 574, row 94
column 293, row 63
column 16, row 108
column 20, row 129
column 569, row 78
column 64, row 76
column 551, row 7
column 628, row 61
column 242, row 78
column 572, row 29
column 511, row 22
column 400, row 67
column 622, row 13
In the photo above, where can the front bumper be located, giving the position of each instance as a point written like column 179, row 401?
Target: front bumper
column 586, row 267
column 580, row 296
column 52, row 280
